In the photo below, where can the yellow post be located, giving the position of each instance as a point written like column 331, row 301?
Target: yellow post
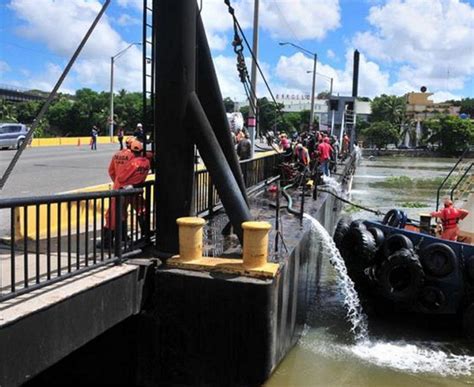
column 255, row 244
column 190, row 238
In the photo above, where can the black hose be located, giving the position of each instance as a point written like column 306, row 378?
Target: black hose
column 376, row 212
column 287, row 196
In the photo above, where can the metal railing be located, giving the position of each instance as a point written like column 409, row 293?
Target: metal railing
column 255, row 171
column 443, row 183
column 465, row 178
column 55, row 237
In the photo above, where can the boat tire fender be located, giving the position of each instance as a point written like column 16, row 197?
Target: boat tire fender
column 401, row 276
column 431, row 299
column 358, row 223
column 393, row 218
column 378, row 235
column 341, row 230
column 438, row 259
column 396, row 242
column 358, row 246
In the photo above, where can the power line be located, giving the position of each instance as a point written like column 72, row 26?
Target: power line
column 282, row 15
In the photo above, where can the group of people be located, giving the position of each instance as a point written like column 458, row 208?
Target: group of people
column 139, row 134
column 310, row 149
column 128, row 168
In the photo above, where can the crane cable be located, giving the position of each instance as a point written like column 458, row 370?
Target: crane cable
column 242, row 67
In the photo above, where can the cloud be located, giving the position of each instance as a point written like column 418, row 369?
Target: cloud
column 293, row 73
column 442, row 96
column 127, row 20
column 47, row 78
column 432, row 40
column 4, row 67
column 137, row 4
column 296, row 19
column 299, row 19
column 71, row 21
column 330, row 54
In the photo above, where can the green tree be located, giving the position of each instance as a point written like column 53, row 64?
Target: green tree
column 128, row 110
column 389, row 108
column 27, row 111
column 380, row 134
column 7, row 111
column 467, row 106
column 451, row 133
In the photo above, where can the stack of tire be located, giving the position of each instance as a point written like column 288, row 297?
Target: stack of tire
column 375, row 262
column 425, row 280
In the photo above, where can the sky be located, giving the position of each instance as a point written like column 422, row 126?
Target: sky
column 404, row 44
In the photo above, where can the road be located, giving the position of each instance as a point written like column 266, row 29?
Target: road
column 50, row 170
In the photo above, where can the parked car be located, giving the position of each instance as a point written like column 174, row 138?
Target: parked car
column 12, row 135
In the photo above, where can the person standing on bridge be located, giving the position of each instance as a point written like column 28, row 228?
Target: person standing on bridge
column 94, row 134
column 127, row 169
column 244, row 147
column 134, row 175
column 119, row 160
column 139, row 134
column 120, row 134
column 324, row 151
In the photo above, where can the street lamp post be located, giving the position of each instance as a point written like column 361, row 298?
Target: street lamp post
column 112, row 61
column 313, row 89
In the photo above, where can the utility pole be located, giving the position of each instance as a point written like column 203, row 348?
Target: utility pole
column 111, row 128
column 252, row 120
column 313, row 88
column 313, row 92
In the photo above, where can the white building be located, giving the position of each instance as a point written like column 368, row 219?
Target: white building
column 300, row 102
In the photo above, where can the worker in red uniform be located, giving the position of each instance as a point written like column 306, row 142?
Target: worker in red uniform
column 134, row 174
column 450, row 216
column 129, row 171
column 324, row 151
column 120, row 159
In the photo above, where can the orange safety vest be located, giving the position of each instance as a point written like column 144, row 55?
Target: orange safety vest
column 118, row 162
column 135, row 172
column 450, row 216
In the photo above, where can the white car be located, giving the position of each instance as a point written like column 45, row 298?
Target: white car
column 12, row 135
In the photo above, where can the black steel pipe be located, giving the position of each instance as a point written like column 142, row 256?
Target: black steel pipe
column 355, row 75
column 213, row 156
column 174, row 39
column 211, row 100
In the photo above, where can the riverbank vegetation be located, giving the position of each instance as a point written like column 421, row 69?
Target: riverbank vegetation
column 405, row 182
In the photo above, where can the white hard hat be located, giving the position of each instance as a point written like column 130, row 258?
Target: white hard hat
column 139, row 125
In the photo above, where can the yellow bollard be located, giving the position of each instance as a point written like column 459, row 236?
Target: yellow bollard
column 255, row 244
column 190, row 238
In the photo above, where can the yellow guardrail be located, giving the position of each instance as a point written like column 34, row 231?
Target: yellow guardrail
column 75, row 218
column 77, row 141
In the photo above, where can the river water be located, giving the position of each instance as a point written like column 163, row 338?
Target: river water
column 390, row 354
